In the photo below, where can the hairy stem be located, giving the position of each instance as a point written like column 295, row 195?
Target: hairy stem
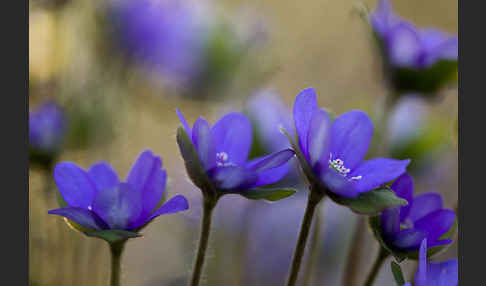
column 208, row 207
column 314, row 198
column 313, row 250
column 116, row 253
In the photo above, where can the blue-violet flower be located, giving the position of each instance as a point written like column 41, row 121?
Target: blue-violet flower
column 404, row 228
column 97, row 200
column 223, row 152
column 334, row 152
column 47, row 128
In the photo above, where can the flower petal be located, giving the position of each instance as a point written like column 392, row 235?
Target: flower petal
column 409, row 239
column 103, row 175
column 184, row 123
column 436, row 223
column 318, row 139
column 142, row 169
column 147, row 177
column 271, row 176
column 232, row 177
column 339, row 184
column 232, row 135
column 444, row 273
column 152, row 191
column 350, row 137
column 424, row 204
column 74, row 184
column 119, row 207
column 271, row 161
column 381, row 18
column 403, row 188
column 174, row 205
column 203, row 141
column 304, row 107
column 404, row 45
column 378, row 171
column 421, row 275
column 81, row 216
column 390, row 222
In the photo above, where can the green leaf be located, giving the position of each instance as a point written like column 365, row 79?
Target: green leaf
column 194, row 167
column 267, row 194
column 113, row 235
column 371, row 202
column 397, row 273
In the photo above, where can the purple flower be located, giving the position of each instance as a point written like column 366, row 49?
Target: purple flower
column 167, row 36
column 408, row 46
column 443, row 273
column 97, row 200
column 223, row 152
column 334, row 152
column 47, row 128
column 416, row 60
column 404, row 228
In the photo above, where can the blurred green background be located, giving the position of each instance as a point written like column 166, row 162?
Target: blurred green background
column 322, row 44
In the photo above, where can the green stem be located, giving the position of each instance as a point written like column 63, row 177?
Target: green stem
column 208, row 207
column 314, row 249
column 314, row 198
column 116, row 253
column 382, row 255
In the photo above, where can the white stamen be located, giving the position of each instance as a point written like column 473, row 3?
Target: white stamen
column 338, row 165
column 222, row 158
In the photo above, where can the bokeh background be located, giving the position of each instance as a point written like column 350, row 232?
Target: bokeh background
column 118, row 105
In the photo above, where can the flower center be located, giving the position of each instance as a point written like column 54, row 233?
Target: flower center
column 222, row 159
column 338, row 165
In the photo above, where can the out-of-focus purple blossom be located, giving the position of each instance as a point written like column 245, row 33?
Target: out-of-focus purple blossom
column 97, row 200
column 335, row 151
column 443, row 273
column 407, row 121
column 416, row 59
column 192, row 46
column 411, row 133
column 167, row 36
column 223, row 151
column 409, row 46
column 47, row 128
column 404, row 228
column 268, row 113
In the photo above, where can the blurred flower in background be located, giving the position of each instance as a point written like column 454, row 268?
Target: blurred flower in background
column 187, row 43
column 47, row 132
column 268, row 113
column 416, row 59
column 413, row 133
